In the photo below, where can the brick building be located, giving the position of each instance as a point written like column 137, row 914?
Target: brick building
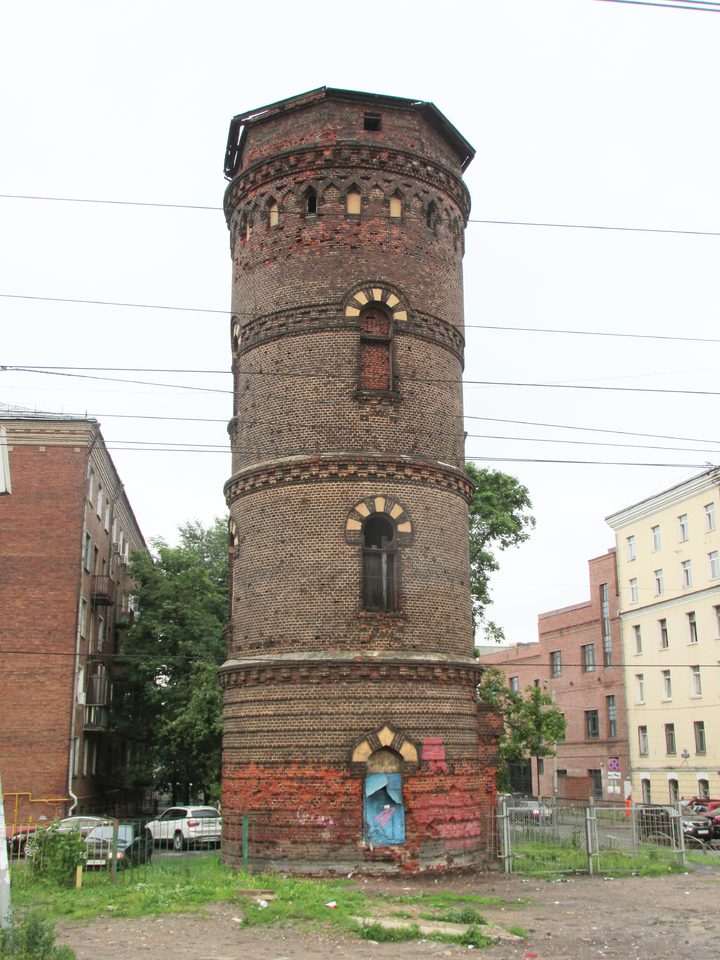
column 66, row 532
column 578, row 661
column 353, row 734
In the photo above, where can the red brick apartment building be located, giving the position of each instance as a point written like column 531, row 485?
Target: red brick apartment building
column 578, row 661
column 66, row 533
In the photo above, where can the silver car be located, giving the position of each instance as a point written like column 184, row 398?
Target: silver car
column 185, row 826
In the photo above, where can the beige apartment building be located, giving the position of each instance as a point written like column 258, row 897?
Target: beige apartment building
column 668, row 551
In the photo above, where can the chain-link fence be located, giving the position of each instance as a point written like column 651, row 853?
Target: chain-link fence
column 563, row 836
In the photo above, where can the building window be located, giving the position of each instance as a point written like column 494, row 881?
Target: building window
column 630, row 548
column 515, row 684
column 659, row 588
column 556, row 663
column 379, row 564
column 664, row 637
column 703, row 789
column 540, row 766
column 354, row 200
column 633, row 591
column 692, row 627
column 273, row 214
column 643, row 744
column 684, row 528
column 673, row 791
column 612, row 716
column 101, row 633
column 431, row 218
column 709, row 517
column 655, row 538
column 375, row 350
column 83, row 618
column 638, row 638
column 561, row 773
column 311, row 202
column 596, row 777
column 666, row 685
column 699, row 727
column 91, row 485
column 565, row 729
column 372, row 122
column 687, row 574
column 605, row 616
column 100, row 501
column 88, row 552
column 395, row 207
column 670, row 739
column 646, row 792
column 592, row 725
column 639, row 688
column 717, row 621
column 696, row 681
column 107, row 515
column 714, row 565
column 588, row 657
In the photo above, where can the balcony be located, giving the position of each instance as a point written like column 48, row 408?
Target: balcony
column 102, row 592
column 97, row 717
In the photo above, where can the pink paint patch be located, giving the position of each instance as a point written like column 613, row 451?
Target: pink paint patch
column 433, row 749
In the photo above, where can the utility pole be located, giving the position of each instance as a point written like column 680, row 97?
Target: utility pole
column 5, row 904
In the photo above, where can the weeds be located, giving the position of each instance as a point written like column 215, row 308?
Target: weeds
column 380, row 934
column 34, row 940
column 517, row 931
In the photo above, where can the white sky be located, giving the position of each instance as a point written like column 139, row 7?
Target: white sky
column 581, row 112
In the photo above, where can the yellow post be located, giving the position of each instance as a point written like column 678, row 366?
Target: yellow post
column 78, row 877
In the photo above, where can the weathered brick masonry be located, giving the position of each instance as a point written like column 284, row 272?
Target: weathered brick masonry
column 350, row 649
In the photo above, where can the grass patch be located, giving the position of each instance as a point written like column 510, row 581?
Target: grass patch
column 537, row 859
column 380, row 934
column 517, row 931
column 473, row 938
column 466, row 915
column 443, row 899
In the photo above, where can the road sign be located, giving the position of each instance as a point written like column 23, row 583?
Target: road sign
column 614, row 768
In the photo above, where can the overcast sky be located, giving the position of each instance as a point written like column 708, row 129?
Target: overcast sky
column 581, row 112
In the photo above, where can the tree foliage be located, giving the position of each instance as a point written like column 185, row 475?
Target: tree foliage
column 499, row 519
column 531, row 723
column 168, row 701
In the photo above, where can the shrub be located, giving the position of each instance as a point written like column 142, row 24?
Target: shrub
column 56, row 854
column 34, row 940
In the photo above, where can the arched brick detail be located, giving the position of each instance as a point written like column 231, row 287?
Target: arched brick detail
column 382, row 503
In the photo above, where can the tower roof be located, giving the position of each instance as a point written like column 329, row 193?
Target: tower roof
column 428, row 110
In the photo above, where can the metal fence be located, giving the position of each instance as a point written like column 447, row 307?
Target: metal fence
column 113, row 846
column 565, row 836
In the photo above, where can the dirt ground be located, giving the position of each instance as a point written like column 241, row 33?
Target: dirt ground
column 636, row 918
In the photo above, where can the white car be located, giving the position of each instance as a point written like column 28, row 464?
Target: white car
column 183, row 826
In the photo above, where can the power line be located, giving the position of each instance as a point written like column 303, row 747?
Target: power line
column 252, row 315
column 352, row 376
column 705, row 8
column 380, row 216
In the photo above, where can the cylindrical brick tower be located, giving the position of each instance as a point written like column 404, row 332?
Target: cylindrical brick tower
column 353, row 736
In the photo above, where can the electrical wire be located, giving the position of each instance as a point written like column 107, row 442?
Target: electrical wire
column 336, row 376
column 252, row 315
column 705, row 8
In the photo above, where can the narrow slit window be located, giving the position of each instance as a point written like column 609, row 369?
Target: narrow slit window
column 273, row 214
column 379, row 564
column 375, row 350
column 311, row 202
column 354, row 200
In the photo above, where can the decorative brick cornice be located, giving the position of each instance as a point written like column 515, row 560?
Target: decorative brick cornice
column 320, row 317
column 313, row 160
column 349, row 466
column 353, row 667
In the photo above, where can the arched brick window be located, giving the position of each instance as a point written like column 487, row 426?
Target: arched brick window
column 379, row 549
column 375, row 349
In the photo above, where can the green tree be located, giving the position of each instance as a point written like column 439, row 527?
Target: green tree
column 168, row 702
column 498, row 520
column 531, row 724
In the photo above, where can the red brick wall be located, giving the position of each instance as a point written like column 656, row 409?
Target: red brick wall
column 576, row 691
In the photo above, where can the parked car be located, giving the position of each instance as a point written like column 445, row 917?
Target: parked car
column 183, row 826
column 134, row 846
column 656, row 826
column 530, row 811
column 83, row 824
column 698, row 829
column 17, row 836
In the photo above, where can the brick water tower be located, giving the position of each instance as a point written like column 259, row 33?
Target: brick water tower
column 353, row 736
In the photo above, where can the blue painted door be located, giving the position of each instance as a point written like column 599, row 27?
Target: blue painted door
column 383, row 811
